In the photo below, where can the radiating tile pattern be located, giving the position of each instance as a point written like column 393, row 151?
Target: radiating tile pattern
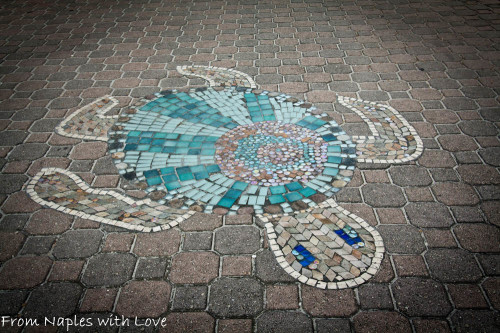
column 90, row 122
column 193, row 146
column 394, row 140
column 66, row 192
column 326, row 246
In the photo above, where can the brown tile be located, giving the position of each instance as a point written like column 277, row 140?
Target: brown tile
column 10, row 244
column 431, row 325
column 418, row 194
column 143, row 299
column 455, row 194
column 24, row 272
column 66, row 270
column 391, row 216
column 238, row 219
column 410, row 266
column 201, row 222
column 49, row 221
column 99, row 300
column 282, row 297
column 20, row 202
column 194, row 267
column 380, row 321
column 328, row 303
column 376, row 176
column 234, row 326
column 200, row 322
column 467, row 296
column 118, row 242
column 439, row 238
column 237, row 265
column 492, row 288
column 157, row 244
column 107, row 181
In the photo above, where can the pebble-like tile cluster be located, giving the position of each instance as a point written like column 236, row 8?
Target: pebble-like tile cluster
column 218, row 76
column 194, row 146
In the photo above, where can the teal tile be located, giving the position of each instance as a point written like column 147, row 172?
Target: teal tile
column 330, row 171
column 213, row 168
column 334, row 159
column 307, row 192
column 226, row 202
column 234, row 194
column 239, row 186
column 277, row 189
column 293, row 196
column 154, row 181
column 295, row 186
column 276, row 199
column 185, row 177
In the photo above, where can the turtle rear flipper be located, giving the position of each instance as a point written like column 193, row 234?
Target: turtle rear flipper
column 394, row 140
column 219, row 77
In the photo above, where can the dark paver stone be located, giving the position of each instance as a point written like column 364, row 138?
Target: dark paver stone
column 453, row 265
column 53, row 300
column 283, row 322
column 477, row 174
column 268, row 269
column 328, row 303
column 368, row 322
column 237, row 240
column 10, row 243
column 404, row 239
column 410, row 175
column 143, row 299
column 45, row 125
column 194, row 267
column 24, row 272
column 179, row 322
column 38, row 244
column 490, row 263
column 478, row 237
column 12, row 301
column 383, row 195
column 375, row 296
column 197, row 241
column 28, row 151
column 236, row 297
column 421, row 297
column 78, row 244
column 151, row 268
column 12, row 138
column 491, row 155
column 13, row 222
column 455, row 194
column 428, row 214
column 475, row 321
column 478, row 128
column 158, row 243
column 332, row 325
column 190, row 298
column 201, row 222
column 109, row 269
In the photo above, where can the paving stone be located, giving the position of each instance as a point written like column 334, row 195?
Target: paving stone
column 375, row 296
column 118, row 242
column 194, row 267
column 151, row 268
column 238, row 219
column 338, row 69
column 99, row 300
column 479, row 174
column 53, row 300
column 11, row 302
column 431, row 325
column 380, row 321
column 436, row 159
column 13, row 222
column 188, row 298
column 492, row 212
column 24, row 272
column 375, row 95
column 268, row 269
column 143, row 299
column 408, row 266
column 66, row 270
column 234, row 326
column 491, row 155
column 487, row 114
column 277, row 321
column 104, row 166
column 459, row 103
column 179, row 322
column 109, row 269
column 410, row 175
column 197, row 241
column 455, row 194
column 328, row 303
column 403, row 239
column 28, row 151
column 29, row 114
column 418, row 194
column 478, row 237
column 439, row 238
column 452, row 265
column 454, row 143
column 10, row 244
column 235, row 297
column 490, row 263
column 280, row 297
column 444, row 175
column 421, row 297
column 332, row 325
column 237, row 240
column 237, row 265
column 201, row 222
column 78, row 244
column 428, row 214
column 492, row 288
column 489, row 192
column 11, row 183
column 475, row 321
column 89, row 150
column 164, row 243
column 383, row 195
column 467, row 214
column 467, row 296
column 38, row 244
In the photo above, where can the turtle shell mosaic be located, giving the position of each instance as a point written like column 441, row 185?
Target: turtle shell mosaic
column 233, row 148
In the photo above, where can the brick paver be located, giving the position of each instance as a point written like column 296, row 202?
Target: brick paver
column 434, row 61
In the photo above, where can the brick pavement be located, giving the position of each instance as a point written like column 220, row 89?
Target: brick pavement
column 437, row 62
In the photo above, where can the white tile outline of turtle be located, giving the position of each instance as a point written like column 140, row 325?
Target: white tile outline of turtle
column 330, row 203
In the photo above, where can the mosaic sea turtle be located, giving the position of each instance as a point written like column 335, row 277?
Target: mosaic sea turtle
column 232, row 148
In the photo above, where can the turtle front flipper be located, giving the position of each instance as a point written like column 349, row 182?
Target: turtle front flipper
column 218, row 77
column 326, row 247
column 394, row 140
column 66, row 192
column 90, row 122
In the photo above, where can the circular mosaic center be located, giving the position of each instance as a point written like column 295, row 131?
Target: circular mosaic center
column 271, row 153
